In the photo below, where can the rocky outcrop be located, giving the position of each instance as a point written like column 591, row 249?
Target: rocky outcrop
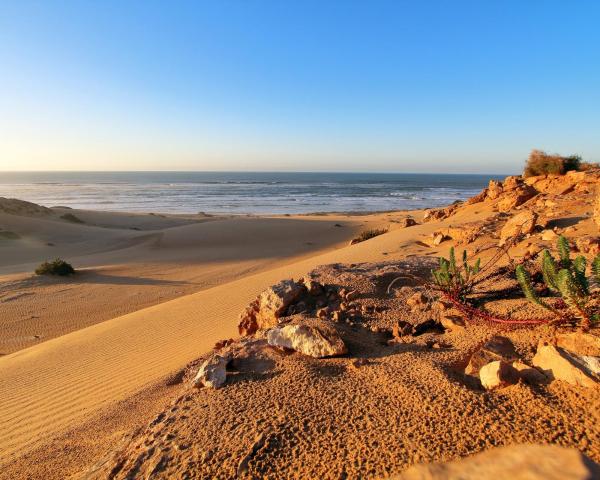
column 520, row 224
column 559, row 184
column 307, row 339
column 531, row 462
column 269, row 306
column 514, row 198
column 559, row 364
column 213, row 372
column 440, row 213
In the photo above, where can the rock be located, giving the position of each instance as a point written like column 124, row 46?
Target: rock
column 407, row 222
column 520, row 224
column 494, row 190
column 466, row 233
column 588, row 244
column 480, row 197
column 549, row 235
column 596, row 214
column 579, row 343
column 212, row 373
column 437, row 238
column 269, row 306
column 496, row 348
column 529, row 374
column 308, row 340
column 219, row 345
column 558, row 364
column 534, row 249
column 512, row 183
column 416, row 300
column 440, row 213
column 516, row 198
column 314, row 288
column 513, row 462
column 498, row 374
column 452, row 322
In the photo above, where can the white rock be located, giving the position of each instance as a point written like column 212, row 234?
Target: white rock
column 497, row 374
column 308, row 340
column 212, row 373
column 559, row 364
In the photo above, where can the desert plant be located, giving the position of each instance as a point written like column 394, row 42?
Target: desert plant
column 541, row 163
column 456, row 279
column 566, row 278
column 367, row 234
column 55, row 267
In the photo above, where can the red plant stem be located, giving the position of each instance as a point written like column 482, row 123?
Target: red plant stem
column 470, row 311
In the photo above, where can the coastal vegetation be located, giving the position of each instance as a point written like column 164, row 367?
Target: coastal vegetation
column 567, row 279
column 55, row 267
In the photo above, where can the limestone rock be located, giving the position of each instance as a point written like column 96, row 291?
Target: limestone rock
column 520, row 224
column 515, row 198
column 466, row 233
column 437, row 238
column 498, row 374
column 307, row 339
column 270, row 305
column 579, row 343
column 494, row 189
column 513, row 462
column 496, row 348
column 558, row 364
column 212, row 373
column 549, row 235
column 407, row 222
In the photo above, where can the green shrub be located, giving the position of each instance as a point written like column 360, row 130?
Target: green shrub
column 69, row 217
column 456, row 279
column 367, row 234
column 55, row 267
column 541, row 163
column 566, row 278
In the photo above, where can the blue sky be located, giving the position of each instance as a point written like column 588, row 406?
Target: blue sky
column 443, row 86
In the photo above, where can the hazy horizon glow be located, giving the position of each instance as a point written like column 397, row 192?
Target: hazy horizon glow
column 309, row 86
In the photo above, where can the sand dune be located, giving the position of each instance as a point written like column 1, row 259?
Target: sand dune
column 122, row 271
column 52, row 386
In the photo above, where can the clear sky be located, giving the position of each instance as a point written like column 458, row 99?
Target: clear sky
column 415, row 86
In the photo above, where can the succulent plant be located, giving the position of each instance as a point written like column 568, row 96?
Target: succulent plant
column 566, row 278
column 456, row 279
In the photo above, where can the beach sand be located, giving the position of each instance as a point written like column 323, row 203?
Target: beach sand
column 114, row 338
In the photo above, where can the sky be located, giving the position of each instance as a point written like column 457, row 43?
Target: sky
column 415, row 86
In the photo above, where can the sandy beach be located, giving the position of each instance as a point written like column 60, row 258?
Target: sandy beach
column 90, row 359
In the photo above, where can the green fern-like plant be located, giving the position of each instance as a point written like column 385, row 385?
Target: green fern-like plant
column 566, row 278
column 454, row 278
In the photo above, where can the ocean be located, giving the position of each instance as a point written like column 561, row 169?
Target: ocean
column 240, row 192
